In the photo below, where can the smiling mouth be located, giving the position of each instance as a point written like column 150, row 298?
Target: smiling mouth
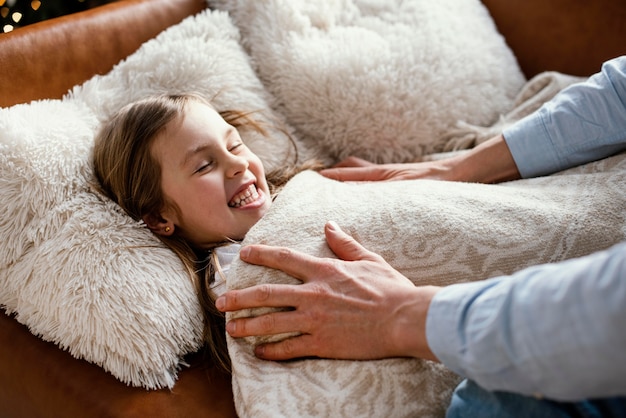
column 245, row 197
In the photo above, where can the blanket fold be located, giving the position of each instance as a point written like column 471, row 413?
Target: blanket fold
column 532, row 96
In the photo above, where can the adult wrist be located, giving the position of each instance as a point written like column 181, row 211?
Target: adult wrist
column 410, row 324
column 489, row 162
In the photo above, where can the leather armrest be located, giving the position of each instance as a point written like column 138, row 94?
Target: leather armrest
column 46, row 59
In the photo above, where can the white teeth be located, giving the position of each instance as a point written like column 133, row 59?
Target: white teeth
column 247, row 196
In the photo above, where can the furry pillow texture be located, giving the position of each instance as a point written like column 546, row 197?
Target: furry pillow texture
column 73, row 266
column 383, row 80
column 434, row 233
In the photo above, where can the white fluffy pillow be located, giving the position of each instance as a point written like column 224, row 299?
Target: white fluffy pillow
column 380, row 79
column 75, row 268
column 201, row 54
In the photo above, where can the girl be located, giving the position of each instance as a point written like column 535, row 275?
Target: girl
column 181, row 167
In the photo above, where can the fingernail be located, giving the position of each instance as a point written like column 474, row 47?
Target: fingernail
column 220, row 303
column 332, row 225
column 231, row 327
column 259, row 351
column 243, row 254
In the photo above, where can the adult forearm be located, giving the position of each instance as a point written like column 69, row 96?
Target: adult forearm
column 585, row 122
column 555, row 330
column 489, row 162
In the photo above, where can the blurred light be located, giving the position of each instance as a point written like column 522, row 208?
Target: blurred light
column 2, row 2
column 35, row 4
column 7, row 28
column 16, row 16
column 4, row 12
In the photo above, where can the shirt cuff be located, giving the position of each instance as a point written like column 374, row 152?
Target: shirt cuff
column 531, row 146
column 444, row 331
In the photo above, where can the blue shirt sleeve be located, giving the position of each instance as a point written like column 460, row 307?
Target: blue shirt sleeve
column 583, row 123
column 558, row 330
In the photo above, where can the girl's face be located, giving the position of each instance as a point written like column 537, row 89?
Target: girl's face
column 215, row 181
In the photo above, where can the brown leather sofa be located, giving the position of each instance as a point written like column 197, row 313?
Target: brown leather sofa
column 44, row 60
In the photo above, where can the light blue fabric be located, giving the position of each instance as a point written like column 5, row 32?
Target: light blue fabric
column 555, row 330
column 585, row 122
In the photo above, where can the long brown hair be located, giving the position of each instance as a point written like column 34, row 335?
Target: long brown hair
column 129, row 175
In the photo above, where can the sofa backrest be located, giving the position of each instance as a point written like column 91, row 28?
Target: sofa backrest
column 571, row 36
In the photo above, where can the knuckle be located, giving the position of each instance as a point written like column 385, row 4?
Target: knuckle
column 316, row 318
column 288, row 347
column 318, row 290
column 329, row 269
column 263, row 292
column 266, row 323
column 284, row 254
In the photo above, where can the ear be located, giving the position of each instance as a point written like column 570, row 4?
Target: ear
column 158, row 225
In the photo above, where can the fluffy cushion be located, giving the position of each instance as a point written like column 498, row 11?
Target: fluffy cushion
column 380, row 79
column 73, row 266
column 434, row 233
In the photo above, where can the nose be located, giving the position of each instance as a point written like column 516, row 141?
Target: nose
column 236, row 165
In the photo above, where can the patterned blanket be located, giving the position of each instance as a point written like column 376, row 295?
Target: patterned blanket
column 434, row 233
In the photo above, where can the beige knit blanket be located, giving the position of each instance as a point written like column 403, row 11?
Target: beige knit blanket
column 434, row 233
column 535, row 92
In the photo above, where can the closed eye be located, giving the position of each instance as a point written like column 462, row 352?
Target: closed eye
column 233, row 139
column 204, row 167
column 235, row 146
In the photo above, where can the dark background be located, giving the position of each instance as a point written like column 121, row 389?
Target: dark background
column 17, row 13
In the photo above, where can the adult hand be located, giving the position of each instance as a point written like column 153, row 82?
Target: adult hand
column 354, row 307
column 357, row 169
column 489, row 162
